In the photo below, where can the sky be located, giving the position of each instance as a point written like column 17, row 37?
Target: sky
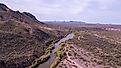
column 91, row 11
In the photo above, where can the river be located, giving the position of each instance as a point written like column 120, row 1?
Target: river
column 52, row 56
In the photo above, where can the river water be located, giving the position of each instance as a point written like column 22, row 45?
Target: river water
column 52, row 56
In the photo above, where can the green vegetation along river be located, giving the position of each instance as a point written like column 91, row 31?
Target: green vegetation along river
column 52, row 56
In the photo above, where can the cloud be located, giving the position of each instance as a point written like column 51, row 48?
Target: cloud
column 87, row 10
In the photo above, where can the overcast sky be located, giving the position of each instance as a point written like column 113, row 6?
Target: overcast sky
column 98, row 11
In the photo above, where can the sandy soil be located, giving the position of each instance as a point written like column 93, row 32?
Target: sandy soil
column 77, row 57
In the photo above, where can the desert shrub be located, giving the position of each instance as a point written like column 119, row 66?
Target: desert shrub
column 59, row 53
column 40, row 60
column 43, row 58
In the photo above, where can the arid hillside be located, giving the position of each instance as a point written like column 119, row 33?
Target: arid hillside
column 22, row 38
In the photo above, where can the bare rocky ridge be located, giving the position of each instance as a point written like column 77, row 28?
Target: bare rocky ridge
column 6, row 14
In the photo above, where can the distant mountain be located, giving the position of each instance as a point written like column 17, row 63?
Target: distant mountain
column 22, row 38
column 65, row 22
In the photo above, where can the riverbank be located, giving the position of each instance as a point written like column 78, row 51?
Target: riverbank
column 59, row 53
column 46, row 55
column 53, row 54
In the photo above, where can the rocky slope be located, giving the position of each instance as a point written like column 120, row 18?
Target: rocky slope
column 22, row 38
